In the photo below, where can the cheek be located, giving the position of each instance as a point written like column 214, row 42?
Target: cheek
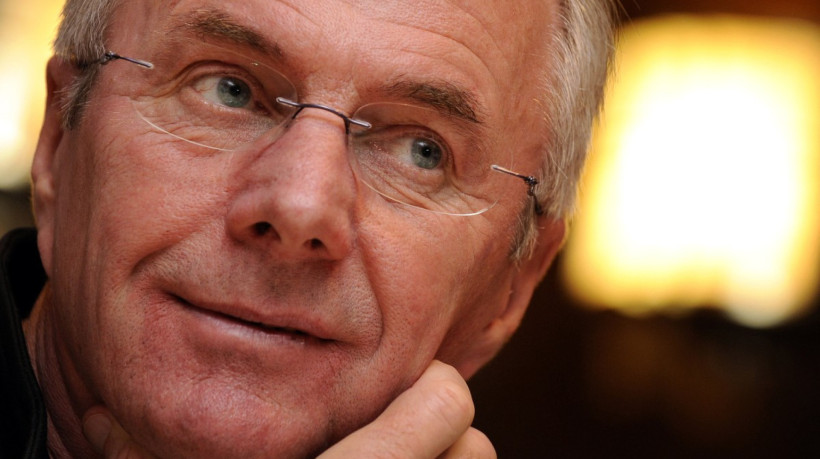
column 148, row 195
column 119, row 202
column 446, row 284
column 125, row 203
column 425, row 273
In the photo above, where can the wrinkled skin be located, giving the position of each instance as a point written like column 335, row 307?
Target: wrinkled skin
column 160, row 274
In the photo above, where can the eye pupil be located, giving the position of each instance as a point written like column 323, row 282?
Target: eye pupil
column 233, row 93
column 426, row 154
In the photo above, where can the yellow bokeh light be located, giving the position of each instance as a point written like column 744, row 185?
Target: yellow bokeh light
column 704, row 184
column 26, row 31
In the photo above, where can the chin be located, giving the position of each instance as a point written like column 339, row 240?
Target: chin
column 229, row 426
column 219, row 416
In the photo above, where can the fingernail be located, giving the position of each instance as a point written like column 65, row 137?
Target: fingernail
column 96, row 429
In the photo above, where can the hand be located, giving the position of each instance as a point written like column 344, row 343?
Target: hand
column 108, row 438
column 430, row 419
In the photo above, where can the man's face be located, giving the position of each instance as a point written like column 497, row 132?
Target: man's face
column 264, row 299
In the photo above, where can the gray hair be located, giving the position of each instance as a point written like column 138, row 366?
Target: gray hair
column 581, row 49
column 81, row 40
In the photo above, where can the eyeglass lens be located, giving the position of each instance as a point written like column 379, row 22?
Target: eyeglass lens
column 410, row 154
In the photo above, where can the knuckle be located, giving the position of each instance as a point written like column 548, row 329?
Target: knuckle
column 453, row 405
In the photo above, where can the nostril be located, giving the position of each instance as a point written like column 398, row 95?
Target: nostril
column 265, row 228
column 262, row 228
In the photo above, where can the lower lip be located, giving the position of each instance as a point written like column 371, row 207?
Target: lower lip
column 215, row 326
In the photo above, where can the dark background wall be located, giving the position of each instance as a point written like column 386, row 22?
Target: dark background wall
column 577, row 383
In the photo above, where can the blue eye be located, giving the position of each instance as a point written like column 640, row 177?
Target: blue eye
column 233, row 92
column 425, row 153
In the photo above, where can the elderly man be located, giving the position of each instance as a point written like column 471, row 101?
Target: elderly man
column 264, row 224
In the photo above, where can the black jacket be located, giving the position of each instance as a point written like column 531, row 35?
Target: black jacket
column 22, row 412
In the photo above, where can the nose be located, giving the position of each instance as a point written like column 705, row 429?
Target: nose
column 296, row 196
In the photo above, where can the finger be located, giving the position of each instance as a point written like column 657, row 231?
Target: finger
column 422, row 422
column 108, row 438
column 473, row 444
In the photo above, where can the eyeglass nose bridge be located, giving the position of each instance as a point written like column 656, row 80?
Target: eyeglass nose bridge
column 301, row 106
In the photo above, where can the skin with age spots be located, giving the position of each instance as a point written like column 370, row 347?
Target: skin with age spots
column 264, row 302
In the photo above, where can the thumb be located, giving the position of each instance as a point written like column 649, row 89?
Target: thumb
column 108, row 438
column 422, row 422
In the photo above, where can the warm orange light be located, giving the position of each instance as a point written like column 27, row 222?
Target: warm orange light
column 704, row 185
column 26, row 31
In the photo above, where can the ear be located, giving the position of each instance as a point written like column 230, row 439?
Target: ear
column 59, row 75
column 528, row 274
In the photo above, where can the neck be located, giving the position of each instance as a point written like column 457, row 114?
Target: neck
column 56, row 378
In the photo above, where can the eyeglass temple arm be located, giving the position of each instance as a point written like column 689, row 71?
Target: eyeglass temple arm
column 111, row 56
column 529, row 180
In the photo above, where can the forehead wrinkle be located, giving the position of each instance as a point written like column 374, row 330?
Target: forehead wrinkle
column 413, row 20
column 218, row 24
column 483, row 25
column 464, row 25
column 441, row 95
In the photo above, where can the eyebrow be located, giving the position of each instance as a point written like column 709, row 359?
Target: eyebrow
column 444, row 97
column 216, row 24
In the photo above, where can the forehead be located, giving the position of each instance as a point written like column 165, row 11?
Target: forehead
column 502, row 35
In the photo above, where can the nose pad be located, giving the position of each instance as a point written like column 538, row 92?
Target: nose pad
column 298, row 195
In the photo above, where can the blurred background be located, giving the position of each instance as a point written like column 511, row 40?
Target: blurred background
column 682, row 319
